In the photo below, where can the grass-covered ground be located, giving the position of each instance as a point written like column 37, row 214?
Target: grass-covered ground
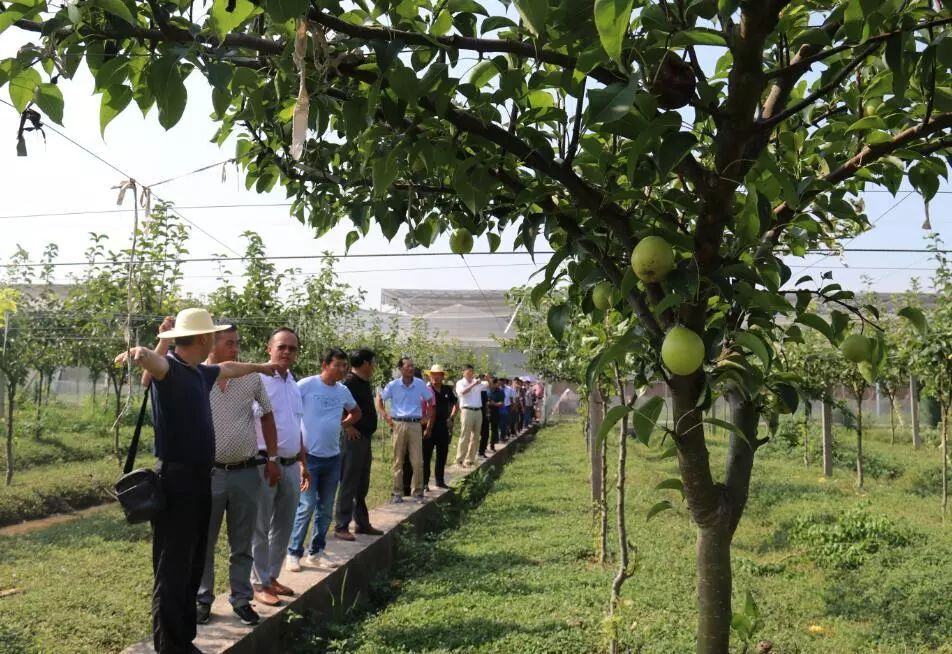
column 832, row 569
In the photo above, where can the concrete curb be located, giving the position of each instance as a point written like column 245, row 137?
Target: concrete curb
column 324, row 591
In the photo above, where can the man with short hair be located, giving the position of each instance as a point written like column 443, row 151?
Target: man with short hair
column 407, row 395
column 324, row 400
column 471, row 410
column 504, row 409
column 356, row 455
column 236, row 481
column 444, row 410
column 185, row 448
column 278, row 502
column 494, row 399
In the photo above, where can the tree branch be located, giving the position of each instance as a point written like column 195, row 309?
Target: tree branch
column 868, row 155
column 769, row 123
column 528, row 49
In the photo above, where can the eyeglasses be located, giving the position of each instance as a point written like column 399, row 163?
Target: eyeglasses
column 287, row 348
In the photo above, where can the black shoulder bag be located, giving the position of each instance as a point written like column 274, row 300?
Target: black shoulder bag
column 139, row 491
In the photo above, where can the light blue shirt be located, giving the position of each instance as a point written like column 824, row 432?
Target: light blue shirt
column 323, row 408
column 406, row 401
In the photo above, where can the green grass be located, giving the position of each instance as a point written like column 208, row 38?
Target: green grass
column 85, row 585
column 832, row 569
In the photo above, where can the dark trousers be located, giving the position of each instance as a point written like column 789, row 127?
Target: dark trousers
column 356, row 457
column 439, row 440
column 490, row 429
column 179, row 539
column 514, row 413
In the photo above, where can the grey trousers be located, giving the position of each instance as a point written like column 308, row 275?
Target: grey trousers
column 236, row 493
column 276, row 508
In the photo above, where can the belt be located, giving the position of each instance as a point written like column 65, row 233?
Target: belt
column 473, row 408
column 283, row 460
column 241, row 465
column 406, row 419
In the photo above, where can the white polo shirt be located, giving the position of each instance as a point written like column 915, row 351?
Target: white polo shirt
column 471, row 400
column 287, row 408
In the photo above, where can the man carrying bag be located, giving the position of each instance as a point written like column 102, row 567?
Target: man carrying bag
column 185, row 447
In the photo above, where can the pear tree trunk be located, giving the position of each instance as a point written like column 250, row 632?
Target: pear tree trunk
column 716, row 508
column 914, row 411
column 596, row 412
column 827, row 439
column 859, row 441
column 945, row 459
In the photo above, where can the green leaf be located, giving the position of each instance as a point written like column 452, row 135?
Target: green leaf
column 557, row 319
column 755, row 344
column 896, row 62
column 788, row 395
column 916, row 317
column 674, row 148
column 611, row 20
column 221, row 21
column 663, row 505
column 612, row 102
column 17, row 11
column 672, row 483
column 385, row 171
column 22, row 87
column 494, row 241
column 867, row 123
column 645, row 417
column 482, row 73
column 698, row 37
column 534, row 13
column 611, row 419
column 165, row 82
column 495, row 23
column 282, row 11
column 49, row 98
column 351, row 238
column 728, row 426
column 404, row 83
column 817, row 323
column 116, row 8
column 443, row 24
column 114, row 101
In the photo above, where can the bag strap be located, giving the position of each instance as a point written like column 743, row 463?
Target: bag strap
column 134, row 445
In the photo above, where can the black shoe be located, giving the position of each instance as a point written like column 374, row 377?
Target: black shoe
column 247, row 615
column 203, row 613
column 441, row 484
column 492, row 447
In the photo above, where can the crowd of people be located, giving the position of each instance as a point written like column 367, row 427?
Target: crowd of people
column 272, row 454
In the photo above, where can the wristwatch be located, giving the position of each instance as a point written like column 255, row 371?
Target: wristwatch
column 274, row 459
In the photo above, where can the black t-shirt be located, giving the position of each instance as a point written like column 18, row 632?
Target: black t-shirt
column 363, row 394
column 182, row 413
column 445, row 401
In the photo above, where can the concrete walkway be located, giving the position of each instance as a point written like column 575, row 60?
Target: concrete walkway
column 322, row 590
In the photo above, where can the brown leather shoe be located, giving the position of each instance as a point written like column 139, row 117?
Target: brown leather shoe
column 267, row 596
column 369, row 530
column 280, row 589
column 343, row 534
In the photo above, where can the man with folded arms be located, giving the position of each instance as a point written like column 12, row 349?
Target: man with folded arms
column 468, row 390
column 407, row 395
column 324, row 399
column 236, row 481
column 278, row 502
column 185, row 448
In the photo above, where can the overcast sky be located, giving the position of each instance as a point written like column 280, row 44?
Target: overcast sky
column 58, row 177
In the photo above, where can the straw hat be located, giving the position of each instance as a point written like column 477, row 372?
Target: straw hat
column 437, row 368
column 192, row 322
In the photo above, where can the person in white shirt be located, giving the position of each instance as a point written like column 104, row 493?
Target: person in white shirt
column 278, row 502
column 468, row 391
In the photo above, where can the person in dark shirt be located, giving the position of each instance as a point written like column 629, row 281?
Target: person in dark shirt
column 445, row 409
column 185, row 447
column 484, row 428
column 356, row 455
column 495, row 398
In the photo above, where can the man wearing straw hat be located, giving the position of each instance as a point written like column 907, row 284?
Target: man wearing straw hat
column 444, row 409
column 185, row 449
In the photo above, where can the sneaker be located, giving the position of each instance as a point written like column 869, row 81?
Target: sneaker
column 396, row 499
column 419, row 499
column 293, row 563
column 319, row 560
column 247, row 615
column 203, row 612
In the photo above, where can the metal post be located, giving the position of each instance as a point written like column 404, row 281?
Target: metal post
column 827, row 439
